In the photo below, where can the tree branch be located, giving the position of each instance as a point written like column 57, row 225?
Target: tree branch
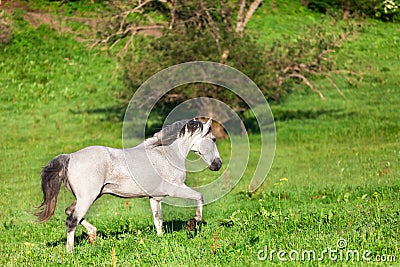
column 308, row 83
column 240, row 18
column 335, row 85
column 243, row 21
column 125, row 28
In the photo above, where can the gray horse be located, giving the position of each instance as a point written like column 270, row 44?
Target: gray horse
column 154, row 168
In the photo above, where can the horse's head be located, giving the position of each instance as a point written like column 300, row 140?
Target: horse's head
column 203, row 142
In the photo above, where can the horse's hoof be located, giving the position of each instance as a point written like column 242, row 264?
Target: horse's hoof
column 91, row 238
column 191, row 224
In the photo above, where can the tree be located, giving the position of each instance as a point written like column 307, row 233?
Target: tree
column 209, row 31
column 199, row 30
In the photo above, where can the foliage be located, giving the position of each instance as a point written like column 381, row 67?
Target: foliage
column 388, row 10
column 203, row 42
column 208, row 31
column 208, row 34
column 385, row 10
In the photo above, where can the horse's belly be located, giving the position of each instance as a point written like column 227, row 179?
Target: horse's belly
column 126, row 188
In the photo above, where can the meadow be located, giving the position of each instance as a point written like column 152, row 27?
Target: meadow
column 334, row 186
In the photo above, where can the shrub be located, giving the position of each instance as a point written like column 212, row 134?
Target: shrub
column 385, row 10
column 205, row 32
column 388, row 10
column 276, row 70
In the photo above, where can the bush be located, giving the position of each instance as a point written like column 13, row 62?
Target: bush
column 385, row 10
column 202, row 32
column 388, row 10
column 276, row 70
column 206, row 33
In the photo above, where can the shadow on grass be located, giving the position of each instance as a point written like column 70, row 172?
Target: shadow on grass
column 179, row 225
column 309, row 114
column 252, row 124
column 169, row 227
column 117, row 113
column 114, row 113
column 63, row 241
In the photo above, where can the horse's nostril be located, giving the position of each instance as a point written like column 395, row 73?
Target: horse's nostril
column 216, row 164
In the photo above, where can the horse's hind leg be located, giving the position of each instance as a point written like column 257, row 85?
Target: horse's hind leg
column 70, row 208
column 76, row 213
column 91, row 229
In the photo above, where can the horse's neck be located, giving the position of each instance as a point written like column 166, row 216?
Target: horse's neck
column 181, row 147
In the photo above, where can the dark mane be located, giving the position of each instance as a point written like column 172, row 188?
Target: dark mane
column 169, row 133
column 191, row 127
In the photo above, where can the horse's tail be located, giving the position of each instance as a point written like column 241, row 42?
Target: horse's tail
column 53, row 174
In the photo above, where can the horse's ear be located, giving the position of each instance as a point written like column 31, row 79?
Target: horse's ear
column 208, row 123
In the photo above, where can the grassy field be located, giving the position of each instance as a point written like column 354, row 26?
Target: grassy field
column 335, row 177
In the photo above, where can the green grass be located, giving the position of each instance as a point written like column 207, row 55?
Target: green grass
column 340, row 159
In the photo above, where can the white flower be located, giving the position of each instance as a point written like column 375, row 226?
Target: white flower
column 389, row 6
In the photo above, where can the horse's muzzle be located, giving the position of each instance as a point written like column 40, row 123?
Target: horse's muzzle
column 216, row 164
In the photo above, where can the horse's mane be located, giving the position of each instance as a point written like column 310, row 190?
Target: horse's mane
column 170, row 133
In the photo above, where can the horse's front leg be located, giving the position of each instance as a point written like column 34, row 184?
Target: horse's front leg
column 199, row 209
column 192, row 223
column 155, row 204
column 186, row 192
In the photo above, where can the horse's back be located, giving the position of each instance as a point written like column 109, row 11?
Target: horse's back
column 90, row 157
column 101, row 170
